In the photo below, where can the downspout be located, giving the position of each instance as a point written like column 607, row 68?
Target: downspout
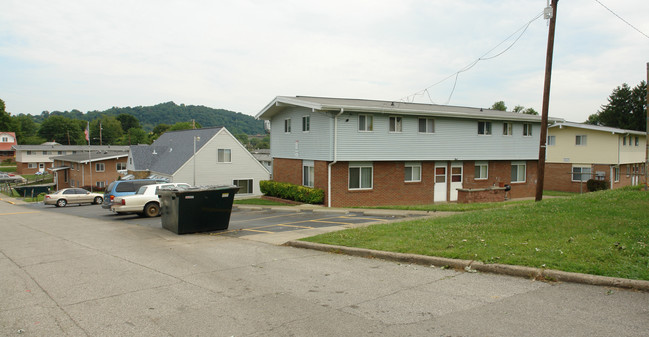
column 335, row 157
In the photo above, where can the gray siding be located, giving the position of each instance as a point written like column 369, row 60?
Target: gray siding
column 315, row 144
column 454, row 139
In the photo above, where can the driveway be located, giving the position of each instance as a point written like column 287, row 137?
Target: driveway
column 65, row 275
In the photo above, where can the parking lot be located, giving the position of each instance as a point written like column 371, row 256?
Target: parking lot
column 245, row 221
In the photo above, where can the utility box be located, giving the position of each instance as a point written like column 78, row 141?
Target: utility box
column 194, row 210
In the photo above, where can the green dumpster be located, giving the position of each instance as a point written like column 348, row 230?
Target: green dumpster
column 196, row 210
column 33, row 190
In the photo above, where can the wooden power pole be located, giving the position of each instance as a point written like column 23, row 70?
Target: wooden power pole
column 546, row 102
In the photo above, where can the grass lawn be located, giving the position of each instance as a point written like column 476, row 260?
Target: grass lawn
column 8, row 169
column 600, row 233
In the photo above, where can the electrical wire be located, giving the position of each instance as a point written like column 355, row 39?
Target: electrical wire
column 522, row 30
column 619, row 17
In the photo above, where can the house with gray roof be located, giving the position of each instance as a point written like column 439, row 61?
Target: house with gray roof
column 199, row 157
column 371, row 152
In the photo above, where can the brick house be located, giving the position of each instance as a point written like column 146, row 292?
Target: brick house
column 7, row 141
column 90, row 169
column 37, row 158
column 577, row 152
column 368, row 152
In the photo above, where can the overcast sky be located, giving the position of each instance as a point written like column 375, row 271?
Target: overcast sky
column 238, row 55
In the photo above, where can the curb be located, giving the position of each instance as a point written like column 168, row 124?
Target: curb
column 470, row 265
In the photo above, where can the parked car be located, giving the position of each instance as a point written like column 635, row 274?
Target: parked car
column 120, row 188
column 66, row 196
column 145, row 201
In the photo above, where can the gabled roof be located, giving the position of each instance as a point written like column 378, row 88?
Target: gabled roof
column 84, row 158
column 171, row 150
column 6, row 146
column 596, row 128
column 59, row 147
column 390, row 107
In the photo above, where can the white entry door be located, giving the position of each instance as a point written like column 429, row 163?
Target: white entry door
column 440, row 181
column 456, row 179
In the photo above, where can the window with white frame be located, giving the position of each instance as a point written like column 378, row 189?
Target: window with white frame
column 245, row 185
column 637, row 141
column 224, row 156
column 507, row 129
column 518, row 171
column 306, row 123
column 624, row 141
column 484, row 128
column 100, row 167
column 365, row 123
column 552, row 140
column 412, row 171
column 426, row 125
column 360, row 175
column 308, row 173
column 481, row 170
column 120, row 166
column 101, row 184
column 396, row 124
column 287, row 125
column 616, row 174
column 527, row 129
column 580, row 140
column 5, row 139
column 31, row 165
column 45, row 153
column 581, row 173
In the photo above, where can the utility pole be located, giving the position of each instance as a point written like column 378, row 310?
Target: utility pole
column 546, row 102
column 646, row 139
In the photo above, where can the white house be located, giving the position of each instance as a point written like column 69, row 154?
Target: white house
column 200, row 157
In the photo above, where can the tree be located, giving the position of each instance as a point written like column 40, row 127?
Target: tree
column 530, row 111
column 626, row 109
column 243, row 139
column 500, row 105
column 184, row 126
column 128, row 121
column 135, row 136
column 5, row 118
column 111, row 131
column 62, row 130
column 26, row 128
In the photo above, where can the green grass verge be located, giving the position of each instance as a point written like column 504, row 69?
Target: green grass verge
column 599, row 233
column 454, row 207
column 559, row 194
column 8, row 169
column 259, row 201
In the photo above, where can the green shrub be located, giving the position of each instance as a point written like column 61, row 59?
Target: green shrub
column 597, row 185
column 292, row 192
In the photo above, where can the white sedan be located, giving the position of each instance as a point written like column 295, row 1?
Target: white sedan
column 145, row 201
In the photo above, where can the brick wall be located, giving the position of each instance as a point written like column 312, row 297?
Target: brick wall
column 80, row 174
column 499, row 174
column 467, row 197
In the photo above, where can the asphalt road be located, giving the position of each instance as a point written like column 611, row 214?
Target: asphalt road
column 68, row 275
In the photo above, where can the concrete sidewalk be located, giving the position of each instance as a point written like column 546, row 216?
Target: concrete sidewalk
column 66, row 276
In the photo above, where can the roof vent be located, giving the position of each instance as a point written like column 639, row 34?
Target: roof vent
column 154, row 152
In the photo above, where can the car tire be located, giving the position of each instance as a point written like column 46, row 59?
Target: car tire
column 151, row 209
column 98, row 200
column 61, row 203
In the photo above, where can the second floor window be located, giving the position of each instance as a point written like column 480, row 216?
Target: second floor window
column 426, row 125
column 100, row 167
column 287, row 125
column 552, row 140
column 527, row 130
column 395, row 124
column 224, row 156
column 306, row 123
column 365, row 123
column 484, row 128
column 121, row 166
column 580, row 140
column 507, row 129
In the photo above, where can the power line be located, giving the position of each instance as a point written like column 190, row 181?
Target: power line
column 619, row 17
column 522, row 30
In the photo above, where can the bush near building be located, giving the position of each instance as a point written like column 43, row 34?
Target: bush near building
column 292, row 192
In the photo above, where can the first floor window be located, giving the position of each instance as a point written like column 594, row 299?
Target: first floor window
column 527, row 130
column 308, row 173
column 245, row 185
column 100, row 167
column 484, row 128
column 426, row 125
column 365, row 123
column 101, row 184
column 395, row 124
column 580, row 140
column 413, row 172
column 360, row 176
column 581, row 173
column 481, row 170
column 616, row 173
column 31, row 165
column 518, row 171
column 224, row 156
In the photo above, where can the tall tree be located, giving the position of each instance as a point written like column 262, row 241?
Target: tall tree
column 128, row 121
column 60, row 129
column 500, row 105
column 626, row 109
column 5, row 118
column 111, row 131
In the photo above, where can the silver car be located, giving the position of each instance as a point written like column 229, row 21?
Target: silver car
column 66, row 196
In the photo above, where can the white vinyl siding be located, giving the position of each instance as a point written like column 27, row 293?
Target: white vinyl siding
column 360, row 176
column 519, row 169
column 412, row 171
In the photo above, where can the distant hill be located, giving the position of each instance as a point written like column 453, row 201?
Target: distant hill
column 171, row 113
